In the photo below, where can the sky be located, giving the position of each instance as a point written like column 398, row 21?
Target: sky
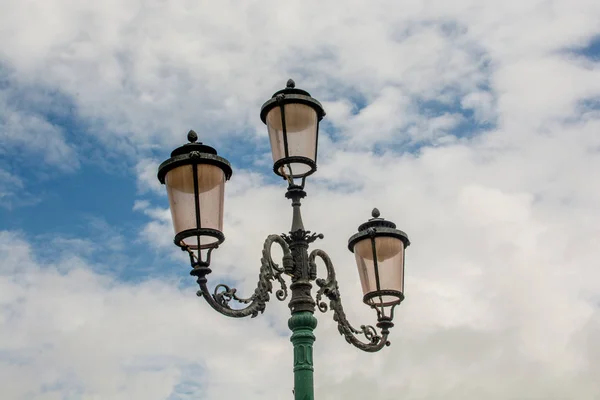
column 473, row 125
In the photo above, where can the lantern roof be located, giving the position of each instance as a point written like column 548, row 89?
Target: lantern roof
column 377, row 226
column 193, row 153
column 291, row 94
column 193, row 146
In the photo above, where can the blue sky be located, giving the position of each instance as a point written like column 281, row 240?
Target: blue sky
column 474, row 127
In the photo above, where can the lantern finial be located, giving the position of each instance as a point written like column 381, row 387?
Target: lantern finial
column 291, row 84
column 375, row 213
column 192, row 136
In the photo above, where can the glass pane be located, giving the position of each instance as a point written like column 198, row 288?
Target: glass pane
column 301, row 123
column 390, row 260
column 211, row 190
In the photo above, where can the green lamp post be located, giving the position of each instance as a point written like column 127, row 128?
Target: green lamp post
column 195, row 179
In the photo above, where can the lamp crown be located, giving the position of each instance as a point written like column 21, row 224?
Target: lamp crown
column 376, row 226
column 376, row 222
column 290, row 84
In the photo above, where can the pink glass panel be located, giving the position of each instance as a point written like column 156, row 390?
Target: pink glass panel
column 390, row 262
column 301, row 123
column 211, row 190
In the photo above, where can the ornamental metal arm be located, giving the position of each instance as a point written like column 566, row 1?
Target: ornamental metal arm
column 329, row 287
column 222, row 295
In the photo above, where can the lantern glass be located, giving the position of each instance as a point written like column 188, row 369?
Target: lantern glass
column 210, row 197
column 387, row 273
column 301, row 125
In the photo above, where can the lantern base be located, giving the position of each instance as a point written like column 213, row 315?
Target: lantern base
column 370, row 298
column 281, row 163
column 198, row 233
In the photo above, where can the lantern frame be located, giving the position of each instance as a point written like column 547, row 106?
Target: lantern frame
column 372, row 229
column 281, row 98
column 195, row 154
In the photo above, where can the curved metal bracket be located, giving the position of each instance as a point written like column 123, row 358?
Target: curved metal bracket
column 329, row 287
column 269, row 271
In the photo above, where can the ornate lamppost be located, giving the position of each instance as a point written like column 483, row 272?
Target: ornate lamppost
column 195, row 179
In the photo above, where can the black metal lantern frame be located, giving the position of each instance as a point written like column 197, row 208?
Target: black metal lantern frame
column 378, row 228
column 281, row 98
column 196, row 154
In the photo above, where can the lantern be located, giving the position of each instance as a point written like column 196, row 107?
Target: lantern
column 379, row 250
column 195, row 178
column 292, row 117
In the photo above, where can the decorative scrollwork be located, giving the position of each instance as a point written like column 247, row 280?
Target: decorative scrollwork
column 225, row 296
column 329, row 288
column 302, row 236
column 269, row 271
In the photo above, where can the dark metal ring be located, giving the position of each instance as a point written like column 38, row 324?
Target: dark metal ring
column 295, row 159
column 384, row 292
column 217, row 234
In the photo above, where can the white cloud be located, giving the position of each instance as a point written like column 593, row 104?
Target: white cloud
column 89, row 336
column 28, row 134
column 146, row 170
column 482, row 104
column 13, row 192
column 145, row 81
column 10, row 185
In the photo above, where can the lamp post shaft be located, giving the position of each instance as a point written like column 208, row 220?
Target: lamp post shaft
column 302, row 305
column 302, row 324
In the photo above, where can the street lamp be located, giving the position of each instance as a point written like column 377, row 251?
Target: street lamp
column 195, row 178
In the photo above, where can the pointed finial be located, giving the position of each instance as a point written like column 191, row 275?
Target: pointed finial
column 192, row 136
column 291, row 84
column 375, row 213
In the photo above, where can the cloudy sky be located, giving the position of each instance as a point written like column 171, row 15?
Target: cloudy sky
column 474, row 125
